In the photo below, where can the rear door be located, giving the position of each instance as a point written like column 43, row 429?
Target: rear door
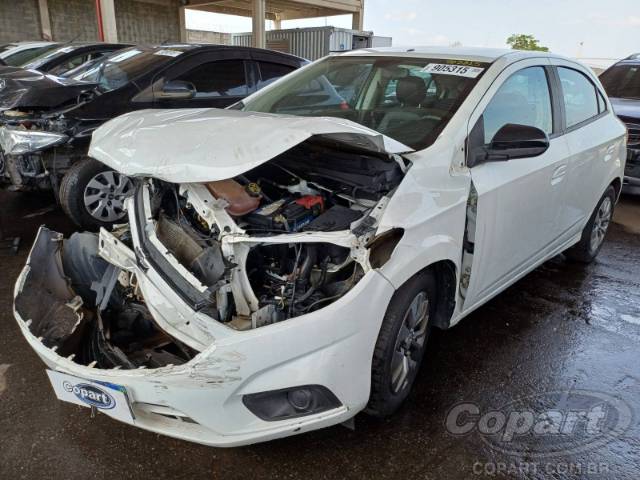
column 520, row 202
column 220, row 78
column 592, row 143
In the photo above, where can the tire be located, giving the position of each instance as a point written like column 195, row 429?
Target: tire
column 92, row 194
column 593, row 234
column 394, row 348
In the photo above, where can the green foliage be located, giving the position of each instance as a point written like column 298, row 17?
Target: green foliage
column 525, row 42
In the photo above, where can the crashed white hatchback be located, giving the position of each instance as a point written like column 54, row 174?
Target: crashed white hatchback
column 285, row 260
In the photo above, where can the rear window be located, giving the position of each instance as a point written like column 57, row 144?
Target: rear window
column 622, row 81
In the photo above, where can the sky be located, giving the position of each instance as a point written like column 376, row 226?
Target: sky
column 608, row 29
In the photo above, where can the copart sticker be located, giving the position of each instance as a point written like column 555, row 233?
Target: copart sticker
column 457, row 70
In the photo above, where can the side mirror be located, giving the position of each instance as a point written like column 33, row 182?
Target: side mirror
column 176, row 90
column 516, row 141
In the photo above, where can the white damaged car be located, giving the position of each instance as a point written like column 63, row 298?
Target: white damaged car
column 286, row 259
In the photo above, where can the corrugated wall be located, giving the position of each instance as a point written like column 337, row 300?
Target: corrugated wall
column 309, row 43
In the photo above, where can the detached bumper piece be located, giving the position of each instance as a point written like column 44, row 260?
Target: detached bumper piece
column 59, row 296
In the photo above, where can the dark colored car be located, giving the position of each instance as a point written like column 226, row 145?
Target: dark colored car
column 622, row 83
column 64, row 57
column 46, row 123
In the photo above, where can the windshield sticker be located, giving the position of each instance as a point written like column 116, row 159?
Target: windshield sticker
column 67, row 49
column 168, row 53
column 457, row 70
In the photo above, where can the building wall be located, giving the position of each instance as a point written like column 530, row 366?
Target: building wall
column 19, row 20
column 148, row 21
column 204, row 36
column 73, row 20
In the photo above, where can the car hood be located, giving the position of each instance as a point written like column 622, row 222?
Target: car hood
column 626, row 107
column 34, row 89
column 202, row 145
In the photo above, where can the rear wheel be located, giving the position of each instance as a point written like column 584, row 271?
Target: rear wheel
column 401, row 344
column 93, row 195
column 595, row 230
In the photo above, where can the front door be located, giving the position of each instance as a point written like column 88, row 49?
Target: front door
column 519, row 202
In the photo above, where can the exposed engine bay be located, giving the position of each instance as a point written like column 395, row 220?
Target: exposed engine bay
column 284, row 239
column 272, row 227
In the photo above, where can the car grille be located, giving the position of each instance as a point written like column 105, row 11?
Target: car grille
column 634, row 134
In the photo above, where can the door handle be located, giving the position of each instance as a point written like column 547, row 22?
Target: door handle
column 558, row 174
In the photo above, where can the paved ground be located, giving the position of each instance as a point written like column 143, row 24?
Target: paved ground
column 564, row 328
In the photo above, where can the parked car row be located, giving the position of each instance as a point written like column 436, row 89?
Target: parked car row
column 47, row 119
column 278, row 265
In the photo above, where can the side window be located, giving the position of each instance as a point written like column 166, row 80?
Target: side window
column 580, row 96
column 523, row 99
column 223, row 78
column 270, row 72
column 69, row 64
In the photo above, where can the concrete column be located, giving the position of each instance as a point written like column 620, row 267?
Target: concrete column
column 45, row 20
column 183, row 25
column 258, row 19
column 357, row 22
column 109, row 27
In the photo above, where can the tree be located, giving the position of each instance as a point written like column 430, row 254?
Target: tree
column 525, row 42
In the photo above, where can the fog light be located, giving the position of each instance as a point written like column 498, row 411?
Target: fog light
column 291, row 402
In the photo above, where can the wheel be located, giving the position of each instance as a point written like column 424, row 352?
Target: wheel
column 401, row 344
column 592, row 238
column 93, row 195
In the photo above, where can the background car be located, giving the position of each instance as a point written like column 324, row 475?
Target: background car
column 622, row 83
column 48, row 121
column 19, row 53
column 62, row 57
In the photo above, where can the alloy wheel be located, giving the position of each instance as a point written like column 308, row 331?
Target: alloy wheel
column 601, row 223
column 410, row 339
column 105, row 194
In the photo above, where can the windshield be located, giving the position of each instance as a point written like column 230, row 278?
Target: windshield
column 121, row 67
column 22, row 57
column 410, row 100
column 622, row 81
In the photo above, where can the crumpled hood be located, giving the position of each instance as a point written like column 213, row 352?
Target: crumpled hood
column 201, row 145
column 31, row 88
column 626, row 107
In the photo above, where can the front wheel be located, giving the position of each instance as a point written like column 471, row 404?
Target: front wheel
column 593, row 234
column 93, row 195
column 401, row 344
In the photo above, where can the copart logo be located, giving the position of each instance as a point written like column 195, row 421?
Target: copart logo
column 91, row 395
column 545, row 425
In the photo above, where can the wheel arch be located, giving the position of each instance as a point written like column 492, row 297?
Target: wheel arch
column 442, row 260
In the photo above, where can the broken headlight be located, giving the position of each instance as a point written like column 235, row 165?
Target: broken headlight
column 19, row 141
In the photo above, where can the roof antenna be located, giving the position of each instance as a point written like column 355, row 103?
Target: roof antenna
column 73, row 39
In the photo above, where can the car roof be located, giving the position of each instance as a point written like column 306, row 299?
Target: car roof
column 215, row 46
column 630, row 60
column 477, row 54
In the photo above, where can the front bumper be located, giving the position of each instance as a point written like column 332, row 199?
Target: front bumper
column 632, row 171
column 201, row 401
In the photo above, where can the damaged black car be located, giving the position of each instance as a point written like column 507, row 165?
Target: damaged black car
column 46, row 123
